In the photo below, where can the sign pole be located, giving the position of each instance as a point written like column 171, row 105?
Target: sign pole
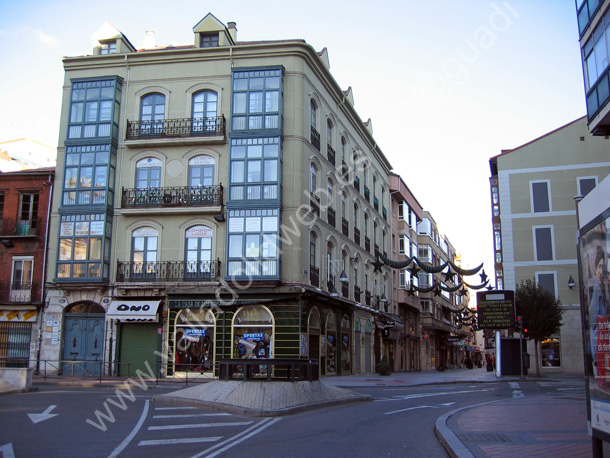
column 498, row 354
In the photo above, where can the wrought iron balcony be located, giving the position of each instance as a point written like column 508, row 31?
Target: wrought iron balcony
column 330, row 154
column 167, row 271
column 184, row 196
column 344, row 171
column 314, row 276
column 345, row 227
column 177, row 128
column 315, row 138
column 345, row 289
column 367, row 298
column 331, row 216
column 19, row 228
column 20, row 293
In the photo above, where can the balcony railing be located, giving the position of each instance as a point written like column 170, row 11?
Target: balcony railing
column 357, row 293
column 314, row 276
column 344, row 171
column 177, row 128
column 357, row 236
column 330, row 154
column 17, row 227
column 314, row 204
column 315, row 138
column 331, row 216
column 20, row 293
column 183, row 196
column 167, row 271
column 345, row 227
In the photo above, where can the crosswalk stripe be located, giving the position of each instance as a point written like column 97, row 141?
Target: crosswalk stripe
column 200, row 425
column 186, row 440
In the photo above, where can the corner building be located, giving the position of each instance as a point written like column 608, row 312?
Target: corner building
column 217, row 200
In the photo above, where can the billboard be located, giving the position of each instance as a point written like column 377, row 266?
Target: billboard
column 496, row 309
column 593, row 260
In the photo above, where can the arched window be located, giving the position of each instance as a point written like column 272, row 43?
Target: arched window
column 144, row 246
column 329, row 193
column 194, row 340
column 312, row 177
column 205, row 110
column 313, row 113
column 198, row 256
column 253, row 332
column 343, row 148
column 343, row 206
column 312, row 249
column 329, row 133
column 152, row 114
column 356, row 215
column 201, row 171
column 148, row 173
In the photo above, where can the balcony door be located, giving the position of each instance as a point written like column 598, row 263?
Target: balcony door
column 144, row 253
column 148, row 181
column 198, row 253
column 205, row 109
column 21, row 279
column 152, row 114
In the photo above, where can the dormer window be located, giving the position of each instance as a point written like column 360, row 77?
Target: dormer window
column 108, row 48
column 209, row 40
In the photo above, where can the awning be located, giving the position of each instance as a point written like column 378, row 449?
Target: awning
column 133, row 311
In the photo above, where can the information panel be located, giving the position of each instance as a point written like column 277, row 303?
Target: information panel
column 496, row 309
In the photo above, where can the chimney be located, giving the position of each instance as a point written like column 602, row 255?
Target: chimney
column 149, row 41
column 232, row 26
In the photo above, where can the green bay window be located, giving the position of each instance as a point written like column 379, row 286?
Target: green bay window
column 94, row 109
column 89, row 175
column 253, row 239
column 84, row 247
column 257, row 100
column 255, row 169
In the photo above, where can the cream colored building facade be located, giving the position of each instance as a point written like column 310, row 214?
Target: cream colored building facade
column 534, row 223
column 210, row 199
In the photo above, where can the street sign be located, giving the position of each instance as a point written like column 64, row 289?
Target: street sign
column 496, row 309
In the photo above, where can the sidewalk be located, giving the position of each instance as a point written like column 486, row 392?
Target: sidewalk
column 532, row 426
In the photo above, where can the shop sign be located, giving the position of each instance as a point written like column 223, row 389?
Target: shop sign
column 133, row 311
column 199, row 332
column 390, row 324
column 17, row 315
column 253, row 336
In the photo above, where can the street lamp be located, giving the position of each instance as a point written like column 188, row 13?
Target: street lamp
column 379, row 291
column 334, row 267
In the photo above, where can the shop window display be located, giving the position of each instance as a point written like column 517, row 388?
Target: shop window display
column 253, row 333
column 331, row 345
column 195, row 341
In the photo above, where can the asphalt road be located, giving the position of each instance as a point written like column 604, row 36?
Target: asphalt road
column 95, row 422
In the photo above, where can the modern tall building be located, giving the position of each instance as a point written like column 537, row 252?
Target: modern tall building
column 534, row 224
column 216, row 200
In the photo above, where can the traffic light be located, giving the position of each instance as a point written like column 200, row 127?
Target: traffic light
column 518, row 324
column 525, row 334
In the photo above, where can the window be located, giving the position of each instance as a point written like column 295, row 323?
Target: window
column 500, row 283
column 343, row 207
column 201, row 171
column 329, row 133
column 148, row 173
column 498, row 257
column 497, row 240
column 404, row 279
column 208, row 40
column 144, row 247
column 21, row 278
column 256, row 99
column 585, row 185
column 550, row 350
column 329, row 193
column 312, row 178
column 546, row 280
column 89, row 174
column 152, row 114
column 543, row 239
column 313, row 114
column 404, row 245
column 198, row 255
column 93, row 108
column 28, row 213
column 312, row 249
column 425, row 279
column 343, row 148
column 494, row 195
column 403, row 210
column 108, row 48
column 356, row 216
column 425, row 253
column 255, row 164
column 595, row 53
column 540, row 196
column 356, row 273
column 84, row 247
column 205, row 110
column 253, row 243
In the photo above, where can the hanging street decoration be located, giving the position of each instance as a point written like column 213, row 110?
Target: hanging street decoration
column 463, row 316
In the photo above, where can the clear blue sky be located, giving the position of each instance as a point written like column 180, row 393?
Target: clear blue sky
column 447, row 83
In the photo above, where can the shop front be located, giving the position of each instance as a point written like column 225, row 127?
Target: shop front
column 138, row 336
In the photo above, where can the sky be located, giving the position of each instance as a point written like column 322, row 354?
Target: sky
column 447, row 84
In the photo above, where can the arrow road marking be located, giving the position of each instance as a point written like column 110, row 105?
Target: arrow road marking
column 7, row 451
column 38, row 417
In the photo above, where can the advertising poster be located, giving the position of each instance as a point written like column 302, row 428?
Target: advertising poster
column 594, row 248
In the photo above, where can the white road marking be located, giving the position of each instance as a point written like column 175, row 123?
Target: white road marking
column 135, row 430
column 7, row 451
column 38, row 417
column 199, row 425
column 175, row 408
column 186, row 440
column 192, row 415
column 410, row 408
column 425, row 395
column 242, row 437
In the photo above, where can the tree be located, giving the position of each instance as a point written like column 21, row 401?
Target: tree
column 541, row 312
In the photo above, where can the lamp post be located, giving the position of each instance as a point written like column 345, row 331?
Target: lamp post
column 379, row 291
column 334, row 267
